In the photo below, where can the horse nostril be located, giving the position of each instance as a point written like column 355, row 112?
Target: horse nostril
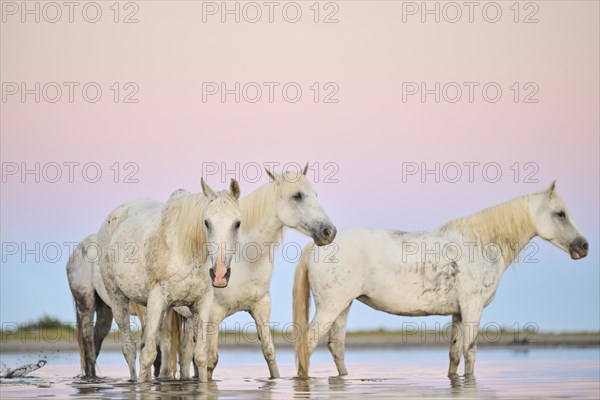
column 212, row 274
column 228, row 273
column 327, row 232
column 585, row 246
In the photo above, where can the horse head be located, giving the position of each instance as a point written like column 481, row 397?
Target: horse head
column 297, row 207
column 222, row 220
column 553, row 223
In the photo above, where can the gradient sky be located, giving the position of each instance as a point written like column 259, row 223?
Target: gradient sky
column 369, row 135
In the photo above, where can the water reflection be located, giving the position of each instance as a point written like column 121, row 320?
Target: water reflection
column 301, row 387
column 500, row 374
column 163, row 389
column 337, row 387
column 348, row 387
column 465, row 386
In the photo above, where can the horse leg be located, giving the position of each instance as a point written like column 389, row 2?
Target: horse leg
column 261, row 312
column 217, row 315
column 455, row 344
column 337, row 341
column 170, row 337
column 201, row 312
column 155, row 308
column 156, row 365
column 104, row 317
column 470, row 329
column 165, row 346
column 322, row 323
column 120, row 309
column 85, row 322
column 186, row 349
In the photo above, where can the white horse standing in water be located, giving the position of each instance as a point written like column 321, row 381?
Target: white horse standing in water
column 90, row 296
column 287, row 201
column 453, row 270
column 159, row 254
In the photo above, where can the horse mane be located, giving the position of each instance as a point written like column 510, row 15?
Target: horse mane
column 187, row 212
column 256, row 206
column 182, row 229
column 509, row 225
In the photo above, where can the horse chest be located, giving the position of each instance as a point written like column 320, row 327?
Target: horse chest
column 186, row 290
column 248, row 284
column 480, row 281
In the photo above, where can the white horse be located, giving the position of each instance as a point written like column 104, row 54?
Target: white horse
column 452, row 270
column 159, row 254
column 90, row 296
column 287, row 201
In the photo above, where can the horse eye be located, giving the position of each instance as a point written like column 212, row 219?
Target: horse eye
column 237, row 224
column 207, row 224
column 561, row 215
column 298, row 196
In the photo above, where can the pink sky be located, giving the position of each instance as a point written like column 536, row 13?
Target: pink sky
column 369, row 133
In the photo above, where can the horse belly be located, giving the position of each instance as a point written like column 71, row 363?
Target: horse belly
column 416, row 289
column 407, row 305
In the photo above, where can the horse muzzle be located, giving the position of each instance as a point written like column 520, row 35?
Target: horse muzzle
column 220, row 276
column 324, row 235
column 579, row 248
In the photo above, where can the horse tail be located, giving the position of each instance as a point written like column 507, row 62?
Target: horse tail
column 81, row 343
column 140, row 311
column 301, row 305
column 176, row 326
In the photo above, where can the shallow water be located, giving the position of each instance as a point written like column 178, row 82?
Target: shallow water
column 380, row 373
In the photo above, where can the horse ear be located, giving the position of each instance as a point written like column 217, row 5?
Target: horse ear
column 273, row 178
column 551, row 188
column 234, row 187
column 305, row 169
column 208, row 192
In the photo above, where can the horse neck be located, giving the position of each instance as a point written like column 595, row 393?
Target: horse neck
column 260, row 222
column 508, row 225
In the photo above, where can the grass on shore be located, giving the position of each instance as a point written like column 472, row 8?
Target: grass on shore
column 52, row 329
